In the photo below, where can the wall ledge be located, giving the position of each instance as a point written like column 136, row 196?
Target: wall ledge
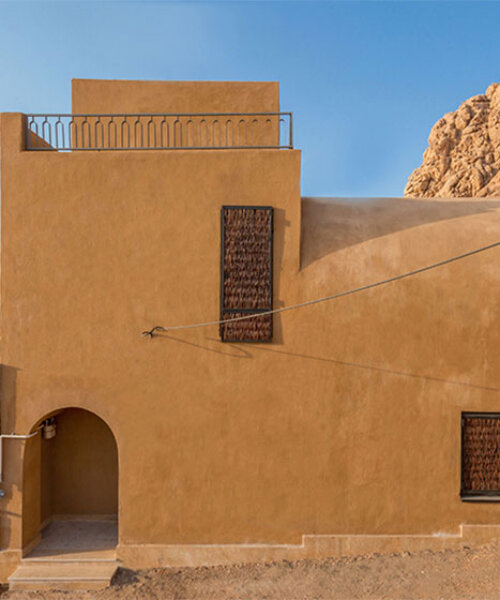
column 141, row 556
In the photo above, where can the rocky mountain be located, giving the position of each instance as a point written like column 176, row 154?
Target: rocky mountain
column 463, row 156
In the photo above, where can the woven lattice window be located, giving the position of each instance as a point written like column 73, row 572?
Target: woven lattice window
column 480, row 454
column 247, row 273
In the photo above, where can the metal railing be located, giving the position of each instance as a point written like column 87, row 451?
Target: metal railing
column 159, row 131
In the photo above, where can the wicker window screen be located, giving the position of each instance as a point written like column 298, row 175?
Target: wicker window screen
column 246, row 272
column 480, row 454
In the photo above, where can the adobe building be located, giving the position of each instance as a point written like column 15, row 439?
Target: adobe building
column 364, row 423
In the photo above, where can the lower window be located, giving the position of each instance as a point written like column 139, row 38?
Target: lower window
column 480, row 456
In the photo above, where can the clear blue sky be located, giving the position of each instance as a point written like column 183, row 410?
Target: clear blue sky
column 365, row 80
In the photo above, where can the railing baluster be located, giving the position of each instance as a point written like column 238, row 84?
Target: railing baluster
column 33, row 130
column 151, row 125
column 59, row 126
column 179, row 128
column 85, row 122
column 214, row 123
column 73, row 131
column 190, row 141
column 281, row 125
column 164, row 126
column 125, row 122
column 99, row 127
column 44, row 135
column 138, row 125
column 268, row 133
column 112, row 127
column 229, row 128
column 254, row 132
column 203, row 133
column 242, row 140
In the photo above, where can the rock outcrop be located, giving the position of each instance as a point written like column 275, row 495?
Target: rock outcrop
column 463, row 157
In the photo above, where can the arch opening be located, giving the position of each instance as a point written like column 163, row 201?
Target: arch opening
column 70, row 482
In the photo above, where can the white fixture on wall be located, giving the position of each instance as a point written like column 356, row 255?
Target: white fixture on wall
column 49, row 428
column 12, row 436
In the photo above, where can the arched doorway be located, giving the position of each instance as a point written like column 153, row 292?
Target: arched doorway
column 70, row 482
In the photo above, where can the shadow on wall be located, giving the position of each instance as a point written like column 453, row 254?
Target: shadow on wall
column 280, row 223
column 8, row 388
column 13, row 453
column 330, row 224
column 235, row 350
column 379, row 368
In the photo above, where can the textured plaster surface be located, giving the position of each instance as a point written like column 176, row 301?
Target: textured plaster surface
column 349, row 423
column 121, row 96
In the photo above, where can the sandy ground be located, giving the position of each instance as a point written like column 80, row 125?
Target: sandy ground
column 468, row 574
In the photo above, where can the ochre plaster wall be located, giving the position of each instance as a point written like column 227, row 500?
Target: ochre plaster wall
column 120, row 96
column 348, row 423
column 112, row 255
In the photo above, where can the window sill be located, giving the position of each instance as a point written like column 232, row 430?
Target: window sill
column 485, row 498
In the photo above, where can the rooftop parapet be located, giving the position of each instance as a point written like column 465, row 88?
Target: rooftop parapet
column 105, row 96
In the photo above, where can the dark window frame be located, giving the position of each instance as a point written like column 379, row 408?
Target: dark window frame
column 467, row 495
column 253, row 311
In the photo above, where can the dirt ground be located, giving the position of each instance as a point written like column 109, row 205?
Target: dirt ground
column 459, row 574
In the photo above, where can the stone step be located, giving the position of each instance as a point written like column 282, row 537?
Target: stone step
column 48, row 561
column 63, row 574
column 73, row 554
